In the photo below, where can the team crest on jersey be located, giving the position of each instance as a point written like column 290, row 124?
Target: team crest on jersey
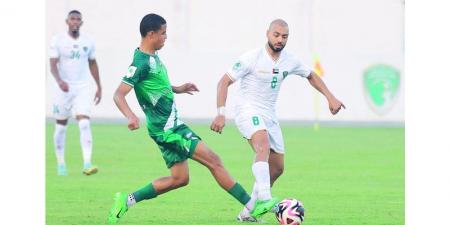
column 85, row 48
column 381, row 84
column 237, row 66
column 285, row 73
column 131, row 71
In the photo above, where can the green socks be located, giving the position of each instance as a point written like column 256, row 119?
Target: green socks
column 238, row 192
column 146, row 192
column 149, row 192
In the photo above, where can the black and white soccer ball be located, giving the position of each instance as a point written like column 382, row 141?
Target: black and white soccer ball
column 290, row 212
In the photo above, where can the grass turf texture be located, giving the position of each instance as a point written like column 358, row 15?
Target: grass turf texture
column 343, row 176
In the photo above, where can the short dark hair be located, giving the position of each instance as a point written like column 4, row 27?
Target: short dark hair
column 74, row 11
column 151, row 22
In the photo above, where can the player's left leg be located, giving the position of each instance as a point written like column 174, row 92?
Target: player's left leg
column 276, row 156
column 84, row 125
column 82, row 107
column 204, row 155
column 208, row 158
column 276, row 166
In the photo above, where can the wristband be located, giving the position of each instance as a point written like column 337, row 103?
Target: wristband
column 221, row 111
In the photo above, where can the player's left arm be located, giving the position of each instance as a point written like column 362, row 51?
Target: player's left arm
column 185, row 88
column 95, row 74
column 333, row 103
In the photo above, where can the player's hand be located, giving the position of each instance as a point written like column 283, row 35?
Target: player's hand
column 335, row 105
column 63, row 85
column 98, row 96
column 218, row 124
column 187, row 88
column 133, row 122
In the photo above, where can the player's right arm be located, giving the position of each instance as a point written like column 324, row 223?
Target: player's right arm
column 240, row 69
column 54, row 70
column 222, row 91
column 54, row 59
column 121, row 103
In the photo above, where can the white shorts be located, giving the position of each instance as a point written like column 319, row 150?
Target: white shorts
column 79, row 100
column 249, row 123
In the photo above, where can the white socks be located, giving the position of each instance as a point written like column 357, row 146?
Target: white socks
column 262, row 175
column 59, row 140
column 86, row 141
column 250, row 204
column 131, row 200
column 261, row 188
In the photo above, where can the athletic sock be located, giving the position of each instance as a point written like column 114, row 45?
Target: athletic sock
column 251, row 203
column 131, row 200
column 86, row 141
column 238, row 192
column 147, row 192
column 262, row 175
column 59, row 139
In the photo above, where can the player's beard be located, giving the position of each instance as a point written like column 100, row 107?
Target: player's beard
column 75, row 32
column 273, row 47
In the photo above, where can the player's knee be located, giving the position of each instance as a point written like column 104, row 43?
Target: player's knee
column 261, row 146
column 84, row 124
column 180, row 181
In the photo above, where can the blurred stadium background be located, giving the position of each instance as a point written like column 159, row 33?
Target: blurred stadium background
column 205, row 37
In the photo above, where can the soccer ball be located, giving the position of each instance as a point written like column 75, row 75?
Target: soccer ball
column 290, row 212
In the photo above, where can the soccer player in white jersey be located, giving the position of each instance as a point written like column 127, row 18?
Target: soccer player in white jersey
column 72, row 62
column 261, row 72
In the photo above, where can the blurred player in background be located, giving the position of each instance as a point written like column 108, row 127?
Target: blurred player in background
column 72, row 62
column 261, row 72
column 176, row 141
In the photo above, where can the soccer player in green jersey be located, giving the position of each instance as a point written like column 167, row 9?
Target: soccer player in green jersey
column 177, row 142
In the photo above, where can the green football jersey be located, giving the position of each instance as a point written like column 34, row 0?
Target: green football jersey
column 148, row 75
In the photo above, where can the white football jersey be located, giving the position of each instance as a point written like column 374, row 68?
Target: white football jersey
column 261, row 79
column 73, row 57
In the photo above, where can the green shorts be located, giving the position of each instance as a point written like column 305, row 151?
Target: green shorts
column 177, row 144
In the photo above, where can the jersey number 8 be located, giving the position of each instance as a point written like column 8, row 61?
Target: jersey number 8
column 273, row 84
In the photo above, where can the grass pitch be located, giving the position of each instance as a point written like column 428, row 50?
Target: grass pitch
column 344, row 176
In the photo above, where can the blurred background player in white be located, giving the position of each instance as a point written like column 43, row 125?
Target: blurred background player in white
column 261, row 72
column 72, row 62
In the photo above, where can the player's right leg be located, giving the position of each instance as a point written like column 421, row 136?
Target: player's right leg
column 59, row 139
column 276, row 164
column 61, row 112
column 260, row 168
column 122, row 201
column 253, row 127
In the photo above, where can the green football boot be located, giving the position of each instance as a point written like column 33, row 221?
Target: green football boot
column 263, row 206
column 119, row 208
